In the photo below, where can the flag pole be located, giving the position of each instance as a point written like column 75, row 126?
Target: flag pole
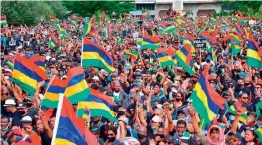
column 59, row 108
column 82, row 52
column 48, row 88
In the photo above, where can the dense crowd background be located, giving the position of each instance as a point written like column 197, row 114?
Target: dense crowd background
column 154, row 105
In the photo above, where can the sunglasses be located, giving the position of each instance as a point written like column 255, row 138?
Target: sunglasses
column 245, row 97
column 167, row 142
column 110, row 134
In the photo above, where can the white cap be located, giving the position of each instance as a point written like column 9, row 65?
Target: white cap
column 26, row 119
column 47, row 57
column 9, row 102
column 159, row 106
column 96, row 78
column 156, row 119
column 174, row 90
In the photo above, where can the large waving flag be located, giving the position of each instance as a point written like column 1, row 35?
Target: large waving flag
column 77, row 88
column 94, row 55
column 99, row 104
column 184, row 58
column 68, row 129
column 26, row 75
column 39, row 61
column 147, row 41
column 51, row 96
column 253, row 58
column 206, row 100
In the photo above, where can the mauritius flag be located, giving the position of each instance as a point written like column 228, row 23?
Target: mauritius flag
column 205, row 99
column 3, row 20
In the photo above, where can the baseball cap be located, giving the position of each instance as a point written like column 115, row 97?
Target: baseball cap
column 236, row 134
column 156, row 119
column 126, row 141
column 169, row 139
column 96, row 78
column 9, row 102
column 26, row 119
column 138, row 74
column 21, row 105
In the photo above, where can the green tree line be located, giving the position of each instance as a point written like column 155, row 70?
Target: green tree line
column 32, row 12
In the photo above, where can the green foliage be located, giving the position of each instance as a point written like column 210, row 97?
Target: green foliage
column 248, row 8
column 58, row 8
column 88, row 8
column 29, row 13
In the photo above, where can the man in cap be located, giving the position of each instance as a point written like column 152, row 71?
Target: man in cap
column 13, row 113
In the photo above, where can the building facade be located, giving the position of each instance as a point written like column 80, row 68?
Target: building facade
column 161, row 7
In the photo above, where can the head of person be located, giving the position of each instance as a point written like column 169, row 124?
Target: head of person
column 251, row 119
column 38, row 125
column 156, row 88
column 26, row 120
column 215, row 135
column 249, row 134
column 243, row 97
column 5, row 123
column 181, row 127
column 4, row 92
column 259, row 121
column 141, row 132
column 96, row 119
column 160, row 135
column 148, row 76
column 10, row 105
column 169, row 140
column 111, row 133
column 226, row 94
column 116, row 86
column 234, row 138
column 96, row 132
column 22, row 108
column 155, row 123
column 178, row 96
column 132, row 94
column 240, row 84
column 258, row 89
column 139, row 65
column 52, row 122
column 181, row 115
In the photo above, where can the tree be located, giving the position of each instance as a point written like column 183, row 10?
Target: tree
column 88, row 8
column 58, row 8
column 248, row 8
column 21, row 12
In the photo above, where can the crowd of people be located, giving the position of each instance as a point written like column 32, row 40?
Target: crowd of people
column 154, row 103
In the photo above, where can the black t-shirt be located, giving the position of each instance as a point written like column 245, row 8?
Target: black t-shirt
column 3, row 110
column 45, row 139
column 150, row 133
column 15, row 118
column 146, row 142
